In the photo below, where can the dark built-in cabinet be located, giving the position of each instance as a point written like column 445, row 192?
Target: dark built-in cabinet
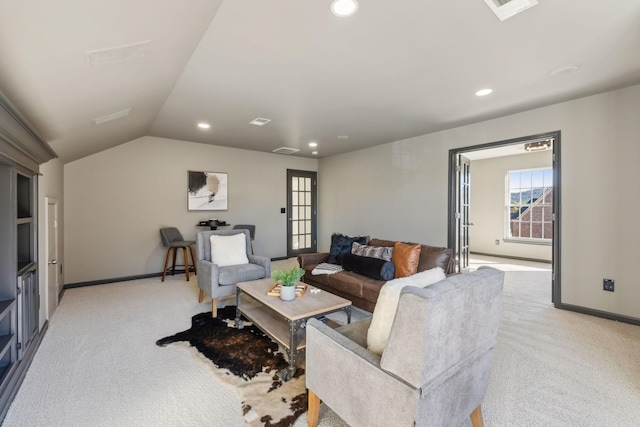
column 19, row 290
column 8, row 270
column 21, row 154
column 27, row 286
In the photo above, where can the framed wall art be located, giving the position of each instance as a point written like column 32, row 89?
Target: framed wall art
column 208, row 191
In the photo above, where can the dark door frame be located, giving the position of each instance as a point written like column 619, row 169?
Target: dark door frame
column 557, row 190
column 314, row 214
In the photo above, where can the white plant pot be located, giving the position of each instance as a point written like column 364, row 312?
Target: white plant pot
column 287, row 293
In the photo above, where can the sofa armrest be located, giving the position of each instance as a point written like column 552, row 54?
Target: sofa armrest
column 306, row 260
column 207, row 275
column 263, row 261
column 333, row 359
column 343, row 341
column 432, row 256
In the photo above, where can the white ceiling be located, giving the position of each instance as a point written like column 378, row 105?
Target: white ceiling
column 392, row 71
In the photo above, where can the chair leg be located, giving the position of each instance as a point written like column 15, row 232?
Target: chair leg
column 313, row 409
column 193, row 260
column 166, row 264
column 201, row 296
column 214, row 307
column 175, row 253
column 476, row 417
column 185, row 257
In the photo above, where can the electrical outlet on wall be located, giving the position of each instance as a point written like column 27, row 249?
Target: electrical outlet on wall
column 608, row 285
column 497, row 241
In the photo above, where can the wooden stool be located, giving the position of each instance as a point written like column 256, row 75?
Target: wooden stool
column 173, row 240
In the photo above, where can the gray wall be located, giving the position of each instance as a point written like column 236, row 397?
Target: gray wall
column 488, row 205
column 117, row 200
column 399, row 191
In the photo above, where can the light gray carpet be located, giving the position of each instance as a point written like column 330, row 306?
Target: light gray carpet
column 98, row 364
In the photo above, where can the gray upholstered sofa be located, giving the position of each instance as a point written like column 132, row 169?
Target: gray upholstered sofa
column 434, row 369
column 361, row 290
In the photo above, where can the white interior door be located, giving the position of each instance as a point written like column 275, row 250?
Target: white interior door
column 52, row 257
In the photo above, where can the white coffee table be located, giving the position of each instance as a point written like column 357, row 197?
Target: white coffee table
column 284, row 321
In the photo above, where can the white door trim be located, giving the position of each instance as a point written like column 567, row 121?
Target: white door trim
column 52, row 290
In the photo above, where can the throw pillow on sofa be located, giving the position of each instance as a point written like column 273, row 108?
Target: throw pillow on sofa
column 382, row 252
column 341, row 245
column 430, row 256
column 406, row 258
column 385, row 310
column 228, row 250
column 374, row 268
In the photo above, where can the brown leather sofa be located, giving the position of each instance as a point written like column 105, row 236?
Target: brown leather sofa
column 363, row 291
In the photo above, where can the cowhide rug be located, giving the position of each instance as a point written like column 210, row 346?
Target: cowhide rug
column 247, row 360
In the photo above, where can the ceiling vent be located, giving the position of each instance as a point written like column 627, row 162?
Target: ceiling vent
column 112, row 116
column 285, row 150
column 507, row 8
column 116, row 55
column 259, row 121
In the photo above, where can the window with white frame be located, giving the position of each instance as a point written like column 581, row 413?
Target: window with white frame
column 529, row 205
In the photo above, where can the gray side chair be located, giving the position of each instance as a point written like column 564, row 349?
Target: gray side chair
column 434, row 370
column 220, row 282
column 252, row 231
column 172, row 240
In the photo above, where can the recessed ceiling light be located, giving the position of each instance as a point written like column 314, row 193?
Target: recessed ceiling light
column 313, row 144
column 343, row 8
column 203, row 125
column 343, row 137
column 259, row 121
column 484, row 92
column 315, row 153
column 563, row 70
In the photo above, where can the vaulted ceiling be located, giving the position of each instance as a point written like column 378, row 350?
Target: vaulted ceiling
column 394, row 70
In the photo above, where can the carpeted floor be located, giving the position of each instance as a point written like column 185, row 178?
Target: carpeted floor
column 98, row 364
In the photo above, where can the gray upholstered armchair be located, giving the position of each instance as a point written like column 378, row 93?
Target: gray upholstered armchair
column 434, row 370
column 220, row 282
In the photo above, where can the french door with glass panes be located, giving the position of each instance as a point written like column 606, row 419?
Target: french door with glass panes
column 462, row 213
column 302, row 212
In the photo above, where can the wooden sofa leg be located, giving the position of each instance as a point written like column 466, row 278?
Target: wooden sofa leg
column 201, row 296
column 476, row 417
column 313, row 409
column 214, row 307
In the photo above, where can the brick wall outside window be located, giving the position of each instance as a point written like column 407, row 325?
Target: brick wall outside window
column 535, row 221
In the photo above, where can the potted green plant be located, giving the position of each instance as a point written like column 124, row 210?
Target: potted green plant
column 288, row 280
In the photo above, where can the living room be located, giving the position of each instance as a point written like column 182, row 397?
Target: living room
column 113, row 199
column 155, row 195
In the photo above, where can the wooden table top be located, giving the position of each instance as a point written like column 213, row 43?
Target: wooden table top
column 308, row 305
